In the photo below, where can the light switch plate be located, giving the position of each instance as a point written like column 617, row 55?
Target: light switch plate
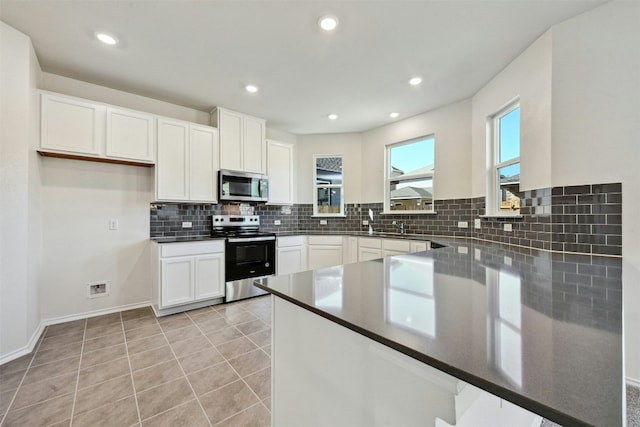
column 187, row 224
column 508, row 227
column 323, row 222
column 463, row 224
column 365, row 222
column 477, row 223
column 276, row 222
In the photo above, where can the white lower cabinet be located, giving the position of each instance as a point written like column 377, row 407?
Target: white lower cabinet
column 369, row 248
column 291, row 255
column 324, row 251
column 187, row 273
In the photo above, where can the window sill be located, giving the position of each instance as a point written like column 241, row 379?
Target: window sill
column 409, row 213
column 329, row 216
column 516, row 216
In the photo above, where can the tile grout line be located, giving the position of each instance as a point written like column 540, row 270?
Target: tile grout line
column 239, row 412
column 184, row 374
column 133, row 384
column 75, row 392
column 15, row 394
column 234, row 369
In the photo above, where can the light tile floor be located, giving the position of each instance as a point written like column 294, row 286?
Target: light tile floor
column 207, row 367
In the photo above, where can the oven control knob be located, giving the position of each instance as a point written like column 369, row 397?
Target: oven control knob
column 266, row 264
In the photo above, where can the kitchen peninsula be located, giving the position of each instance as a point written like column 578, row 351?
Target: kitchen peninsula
column 402, row 336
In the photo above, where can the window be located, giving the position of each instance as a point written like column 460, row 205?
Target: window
column 409, row 182
column 329, row 194
column 503, row 195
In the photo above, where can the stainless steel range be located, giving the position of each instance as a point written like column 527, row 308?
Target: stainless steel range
column 249, row 253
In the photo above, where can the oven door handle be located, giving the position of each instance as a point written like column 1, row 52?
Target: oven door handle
column 251, row 239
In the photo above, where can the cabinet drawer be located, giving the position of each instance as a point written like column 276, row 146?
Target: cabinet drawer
column 325, row 240
column 397, row 245
column 288, row 241
column 191, row 248
column 366, row 242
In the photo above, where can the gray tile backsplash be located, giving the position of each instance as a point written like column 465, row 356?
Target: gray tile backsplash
column 582, row 218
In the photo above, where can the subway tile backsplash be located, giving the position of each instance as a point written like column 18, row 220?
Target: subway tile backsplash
column 575, row 219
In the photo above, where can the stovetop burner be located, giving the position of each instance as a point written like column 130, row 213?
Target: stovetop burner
column 237, row 226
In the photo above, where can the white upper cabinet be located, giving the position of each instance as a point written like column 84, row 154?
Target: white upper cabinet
column 130, row 134
column 242, row 141
column 187, row 162
column 280, row 172
column 71, row 125
column 89, row 130
column 203, row 163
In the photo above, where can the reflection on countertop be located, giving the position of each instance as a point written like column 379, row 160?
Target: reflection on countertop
column 540, row 329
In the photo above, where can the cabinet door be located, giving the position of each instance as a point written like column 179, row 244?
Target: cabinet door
column 290, row 260
column 203, row 164
column 419, row 246
column 71, row 125
column 130, row 135
column 172, row 181
column 230, row 125
column 280, row 172
column 177, row 280
column 324, row 256
column 209, row 276
column 254, row 148
column 366, row 254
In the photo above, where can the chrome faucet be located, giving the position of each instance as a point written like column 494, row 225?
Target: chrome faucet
column 400, row 226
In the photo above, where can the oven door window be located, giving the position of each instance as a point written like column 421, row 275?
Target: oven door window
column 247, row 255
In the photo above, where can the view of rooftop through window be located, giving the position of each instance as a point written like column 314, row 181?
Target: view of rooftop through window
column 508, row 168
column 410, row 179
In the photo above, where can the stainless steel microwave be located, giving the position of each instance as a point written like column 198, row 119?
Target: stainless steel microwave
column 243, row 186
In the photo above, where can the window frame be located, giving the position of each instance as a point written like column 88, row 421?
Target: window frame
column 387, row 177
column 317, row 186
column 492, row 201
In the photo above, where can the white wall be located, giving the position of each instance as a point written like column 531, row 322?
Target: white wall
column 596, row 128
column 529, row 78
column 19, row 237
column 78, row 199
column 56, row 83
column 451, row 127
column 348, row 145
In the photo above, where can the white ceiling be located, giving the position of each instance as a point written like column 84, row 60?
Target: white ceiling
column 201, row 54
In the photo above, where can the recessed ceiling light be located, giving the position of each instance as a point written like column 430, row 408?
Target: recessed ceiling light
column 106, row 38
column 251, row 88
column 394, row 115
column 415, row 81
column 328, row 22
column 332, row 116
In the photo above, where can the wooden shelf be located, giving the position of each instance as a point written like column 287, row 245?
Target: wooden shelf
column 94, row 159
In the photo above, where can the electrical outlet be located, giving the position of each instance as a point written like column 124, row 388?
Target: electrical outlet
column 508, row 227
column 365, row 222
column 276, row 222
column 463, row 224
column 477, row 223
column 187, row 224
column 113, row 224
column 477, row 254
column 323, row 222
column 463, row 250
column 508, row 261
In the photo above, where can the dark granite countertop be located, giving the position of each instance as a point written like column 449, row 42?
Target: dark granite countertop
column 540, row 329
column 178, row 239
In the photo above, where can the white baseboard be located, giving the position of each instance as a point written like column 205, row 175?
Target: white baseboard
column 633, row 382
column 28, row 348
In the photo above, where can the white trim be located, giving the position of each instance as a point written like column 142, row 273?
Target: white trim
column 407, row 177
column 342, row 212
column 408, row 213
column 493, row 157
column 28, row 348
column 634, row 382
